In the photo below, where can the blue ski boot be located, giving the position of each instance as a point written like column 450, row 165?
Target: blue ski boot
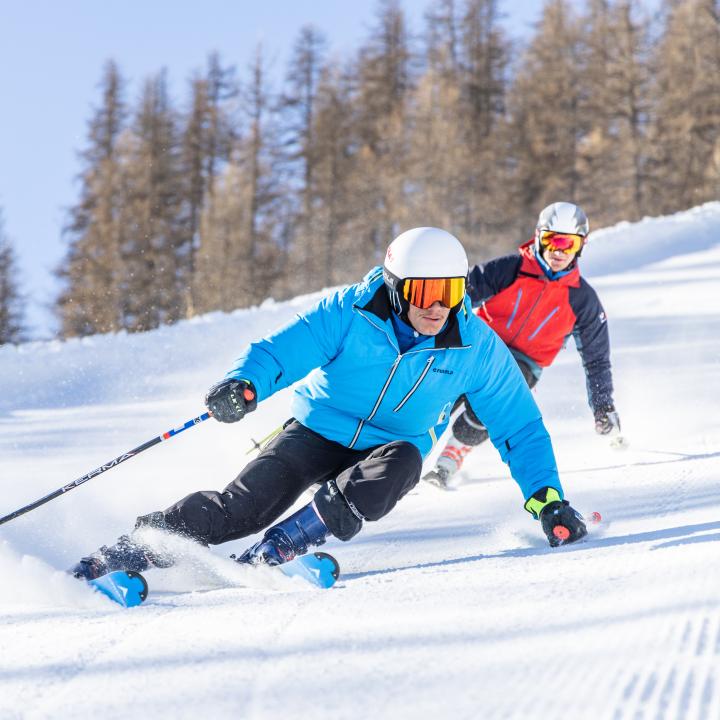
column 288, row 539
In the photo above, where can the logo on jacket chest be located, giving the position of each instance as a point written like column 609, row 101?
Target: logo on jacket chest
column 442, row 371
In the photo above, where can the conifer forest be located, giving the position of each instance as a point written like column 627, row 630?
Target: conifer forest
column 261, row 182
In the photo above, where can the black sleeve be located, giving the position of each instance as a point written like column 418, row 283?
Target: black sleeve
column 593, row 343
column 489, row 279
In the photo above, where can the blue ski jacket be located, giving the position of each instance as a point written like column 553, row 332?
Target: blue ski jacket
column 358, row 389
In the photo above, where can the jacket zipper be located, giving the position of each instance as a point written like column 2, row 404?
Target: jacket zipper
column 542, row 324
column 394, row 367
column 377, row 402
column 527, row 317
column 428, row 364
column 517, row 303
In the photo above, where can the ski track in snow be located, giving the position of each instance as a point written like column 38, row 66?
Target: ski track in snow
column 451, row 607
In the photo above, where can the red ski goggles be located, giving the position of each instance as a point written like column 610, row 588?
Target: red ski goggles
column 424, row 292
column 564, row 242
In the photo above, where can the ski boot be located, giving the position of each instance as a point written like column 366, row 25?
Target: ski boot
column 288, row 539
column 123, row 555
column 128, row 553
column 449, row 462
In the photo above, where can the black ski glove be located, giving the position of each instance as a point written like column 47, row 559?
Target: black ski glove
column 606, row 420
column 560, row 522
column 230, row 399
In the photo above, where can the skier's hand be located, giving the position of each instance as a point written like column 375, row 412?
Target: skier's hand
column 561, row 523
column 229, row 400
column 606, row 420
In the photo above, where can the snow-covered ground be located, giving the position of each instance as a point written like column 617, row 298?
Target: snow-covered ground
column 453, row 606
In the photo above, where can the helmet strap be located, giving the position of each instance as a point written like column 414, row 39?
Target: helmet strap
column 401, row 307
column 397, row 302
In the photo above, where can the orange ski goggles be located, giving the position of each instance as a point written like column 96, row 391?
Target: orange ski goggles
column 424, row 292
column 564, row 242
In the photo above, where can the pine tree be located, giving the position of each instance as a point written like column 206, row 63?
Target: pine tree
column 207, row 139
column 685, row 127
column 154, row 245
column 615, row 103
column 299, row 110
column 12, row 303
column 483, row 63
column 381, row 105
column 545, row 124
column 457, row 168
column 441, row 39
column 630, row 81
column 340, row 257
column 437, row 129
column 241, row 227
column 484, row 60
column 92, row 269
column 223, row 277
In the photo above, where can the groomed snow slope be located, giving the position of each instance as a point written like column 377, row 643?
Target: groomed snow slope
column 451, row 607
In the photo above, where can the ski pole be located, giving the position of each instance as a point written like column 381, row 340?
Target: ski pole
column 260, row 445
column 107, row 466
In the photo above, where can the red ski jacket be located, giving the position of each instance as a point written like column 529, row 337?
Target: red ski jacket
column 534, row 315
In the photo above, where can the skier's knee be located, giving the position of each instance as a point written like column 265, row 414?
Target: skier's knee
column 530, row 377
column 468, row 429
column 373, row 486
column 200, row 516
column 403, row 469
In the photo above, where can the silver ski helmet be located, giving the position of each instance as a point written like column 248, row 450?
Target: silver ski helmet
column 424, row 265
column 563, row 218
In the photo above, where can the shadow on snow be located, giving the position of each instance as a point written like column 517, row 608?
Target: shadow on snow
column 682, row 531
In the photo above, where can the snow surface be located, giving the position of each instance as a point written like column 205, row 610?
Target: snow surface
column 453, row 606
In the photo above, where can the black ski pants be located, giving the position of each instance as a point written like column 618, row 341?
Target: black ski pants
column 357, row 485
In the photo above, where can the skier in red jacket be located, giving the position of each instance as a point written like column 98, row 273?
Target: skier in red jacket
column 534, row 300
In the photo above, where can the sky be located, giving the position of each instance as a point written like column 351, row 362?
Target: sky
column 51, row 59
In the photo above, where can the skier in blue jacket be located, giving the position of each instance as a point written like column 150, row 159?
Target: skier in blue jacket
column 381, row 364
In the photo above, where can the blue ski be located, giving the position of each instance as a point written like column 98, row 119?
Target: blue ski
column 125, row 588
column 318, row 568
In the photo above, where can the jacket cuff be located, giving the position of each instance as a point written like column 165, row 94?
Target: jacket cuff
column 536, row 503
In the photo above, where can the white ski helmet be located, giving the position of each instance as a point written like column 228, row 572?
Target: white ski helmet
column 562, row 217
column 424, row 252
